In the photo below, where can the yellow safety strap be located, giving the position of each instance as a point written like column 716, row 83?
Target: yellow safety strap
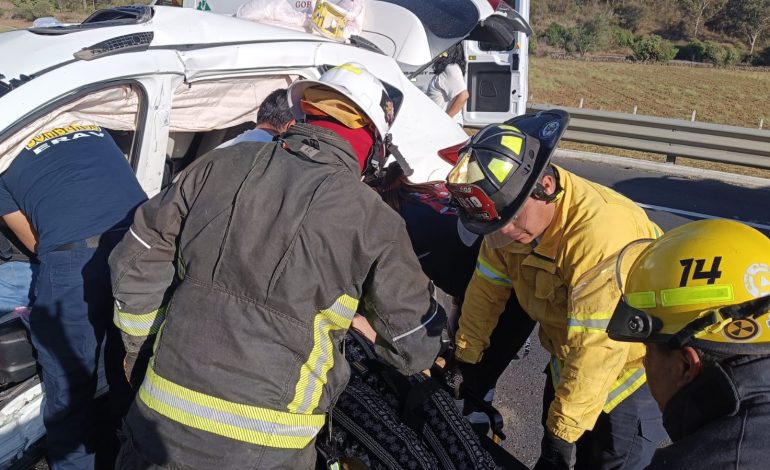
column 246, row 423
column 312, row 377
column 139, row 324
column 628, row 382
column 487, row 272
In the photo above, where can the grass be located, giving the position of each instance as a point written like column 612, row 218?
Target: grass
column 720, row 96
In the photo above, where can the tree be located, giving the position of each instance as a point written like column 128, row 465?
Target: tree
column 590, row 35
column 700, row 10
column 653, row 48
column 747, row 18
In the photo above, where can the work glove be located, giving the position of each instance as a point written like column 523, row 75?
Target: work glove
column 555, row 454
column 135, row 366
column 458, row 375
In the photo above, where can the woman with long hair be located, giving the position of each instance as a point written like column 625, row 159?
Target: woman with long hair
column 447, row 88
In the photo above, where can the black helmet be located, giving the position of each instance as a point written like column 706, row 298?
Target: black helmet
column 500, row 167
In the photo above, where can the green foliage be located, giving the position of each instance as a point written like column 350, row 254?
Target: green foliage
column 694, row 51
column 590, row 35
column 712, row 52
column 622, row 37
column 32, row 9
column 557, row 35
column 653, row 48
column 763, row 58
column 629, row 16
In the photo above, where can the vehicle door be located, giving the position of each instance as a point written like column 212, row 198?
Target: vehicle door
column 497, row 76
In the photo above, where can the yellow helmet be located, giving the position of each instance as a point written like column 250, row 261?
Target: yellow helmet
column 705, row 284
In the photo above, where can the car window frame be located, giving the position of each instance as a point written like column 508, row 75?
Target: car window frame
column 77, row 93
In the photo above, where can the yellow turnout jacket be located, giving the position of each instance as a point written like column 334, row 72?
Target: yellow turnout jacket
column 591, row 373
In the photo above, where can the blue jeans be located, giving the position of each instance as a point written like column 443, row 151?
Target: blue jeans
column 70, row 319
column 16, row 281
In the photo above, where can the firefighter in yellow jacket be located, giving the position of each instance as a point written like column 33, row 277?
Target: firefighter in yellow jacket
column 544, row 227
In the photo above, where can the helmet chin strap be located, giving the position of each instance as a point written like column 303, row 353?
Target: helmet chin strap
column 379, row 154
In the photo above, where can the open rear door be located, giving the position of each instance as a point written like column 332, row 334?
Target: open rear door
column 497, row 66
column 414, row 32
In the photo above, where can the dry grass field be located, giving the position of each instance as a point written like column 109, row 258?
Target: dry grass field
column 720, row 96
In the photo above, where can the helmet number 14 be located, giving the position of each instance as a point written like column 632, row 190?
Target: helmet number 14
column 700, row 273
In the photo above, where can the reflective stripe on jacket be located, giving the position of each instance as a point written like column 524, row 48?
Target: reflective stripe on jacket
column 278, row 244
column 594, row 374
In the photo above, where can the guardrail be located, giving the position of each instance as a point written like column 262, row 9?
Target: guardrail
column 670, row 137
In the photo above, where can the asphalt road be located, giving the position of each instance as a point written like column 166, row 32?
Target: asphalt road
column 677, row 200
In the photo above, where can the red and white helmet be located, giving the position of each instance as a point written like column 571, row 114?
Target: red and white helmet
column 358, row 85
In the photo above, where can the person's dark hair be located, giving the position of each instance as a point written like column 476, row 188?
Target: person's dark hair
column 708, row 358
column 454, row 55
column 274, row 110
column 394, row 187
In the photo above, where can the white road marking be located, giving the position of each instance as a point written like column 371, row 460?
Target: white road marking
column 700, row 215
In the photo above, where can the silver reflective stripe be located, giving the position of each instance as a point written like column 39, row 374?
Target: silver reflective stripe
column 312, row 377
column 144, row 243
column 144, row 324
column 415, row 330
column 316, row 369
column 343, row 311
column 620, row 388
column 592, row 324
column 220, row 416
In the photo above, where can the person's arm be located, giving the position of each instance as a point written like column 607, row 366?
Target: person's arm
column 485, row 299
column 456, row 89
column 142, row 264
column 397, row 304
column 458, row 103
column 20, row 226
column 593, row 366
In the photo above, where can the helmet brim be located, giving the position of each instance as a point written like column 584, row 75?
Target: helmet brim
column 546, row 126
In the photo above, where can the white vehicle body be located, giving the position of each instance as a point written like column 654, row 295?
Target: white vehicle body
column 496, row 75
column 498, row 80
column 170, row 84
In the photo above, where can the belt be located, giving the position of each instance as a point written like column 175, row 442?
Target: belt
column 90, row 242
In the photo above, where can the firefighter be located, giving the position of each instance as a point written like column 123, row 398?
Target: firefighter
column 276, row 245
column 544, row 227
column 699, row 298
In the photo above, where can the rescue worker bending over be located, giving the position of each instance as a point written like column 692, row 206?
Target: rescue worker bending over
column 544, row 227
column 699, row 298
column 276, row 244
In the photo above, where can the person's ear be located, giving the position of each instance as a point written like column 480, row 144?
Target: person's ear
column 548, row 183
column 692, row 365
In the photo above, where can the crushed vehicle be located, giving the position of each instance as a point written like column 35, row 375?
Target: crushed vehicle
column 169, row 84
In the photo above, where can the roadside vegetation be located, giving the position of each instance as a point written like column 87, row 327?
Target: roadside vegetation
column 718, row 32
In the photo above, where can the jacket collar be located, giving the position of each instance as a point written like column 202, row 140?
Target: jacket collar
column 331, row 148
column 719, row 392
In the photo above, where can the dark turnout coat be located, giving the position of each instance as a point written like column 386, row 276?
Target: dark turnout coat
column 276, row 246
column 720, row 420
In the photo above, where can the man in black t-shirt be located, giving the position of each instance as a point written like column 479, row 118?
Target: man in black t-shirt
column 69, row 196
